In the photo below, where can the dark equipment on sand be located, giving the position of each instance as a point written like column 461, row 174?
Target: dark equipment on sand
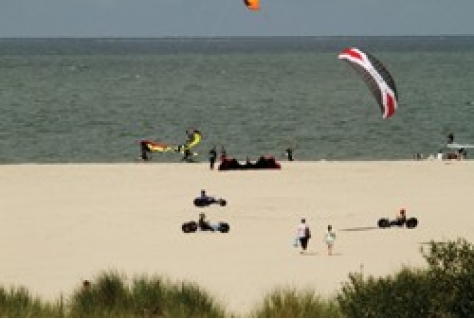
column 264, row 162
column 408, row 223
column 192, row 227
column 203, row 202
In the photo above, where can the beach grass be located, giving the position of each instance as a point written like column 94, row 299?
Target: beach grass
column 111, row 295
column 20, row 303
column 296, row 303
column 443, row 289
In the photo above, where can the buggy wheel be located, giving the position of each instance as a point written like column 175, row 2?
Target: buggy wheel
column 223, row 227
column 222, row 202
column 411, row 222
column 383, row 223
column 189, row 227
column 198, row 202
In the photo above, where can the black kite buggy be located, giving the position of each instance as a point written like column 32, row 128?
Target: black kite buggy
column 193, row 226
column 408, row 223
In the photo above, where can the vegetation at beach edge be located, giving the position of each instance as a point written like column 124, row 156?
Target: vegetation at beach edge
column 445, row 288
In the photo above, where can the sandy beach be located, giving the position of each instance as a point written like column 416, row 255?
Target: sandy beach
column 61, row 224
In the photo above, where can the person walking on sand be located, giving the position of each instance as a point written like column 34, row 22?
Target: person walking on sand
column 304, row 234
column 329, row 238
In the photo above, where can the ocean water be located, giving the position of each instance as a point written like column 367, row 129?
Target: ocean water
column 92, row 100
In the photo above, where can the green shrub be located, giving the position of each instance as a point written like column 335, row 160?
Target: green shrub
column 451, row 272
column 444, row 289
column 400, row 295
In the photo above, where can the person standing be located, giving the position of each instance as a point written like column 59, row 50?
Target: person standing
column 304, row 235
column 186, row 155
column 212, row 157
column 450, row 138
column 144, row 151
column 289, row 154
column 329, row 238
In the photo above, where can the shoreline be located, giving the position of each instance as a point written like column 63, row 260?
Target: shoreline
column 64, row 223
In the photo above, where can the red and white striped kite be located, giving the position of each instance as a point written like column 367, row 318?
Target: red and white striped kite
column 377, row 78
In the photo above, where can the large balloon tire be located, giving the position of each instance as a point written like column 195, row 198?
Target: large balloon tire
column 199, row 202
column 189, row 227
column 222, row 202
column 411, row 222
column 223, row 227
column 383, row 223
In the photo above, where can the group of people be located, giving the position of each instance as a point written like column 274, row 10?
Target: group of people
column 450, row 151
column 188, row 154
column 459, row 153
column 303, row 236
column 303, row 233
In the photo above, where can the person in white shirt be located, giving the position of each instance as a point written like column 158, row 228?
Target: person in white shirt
column 303, row 234
column 329, row 238
column 439, row 156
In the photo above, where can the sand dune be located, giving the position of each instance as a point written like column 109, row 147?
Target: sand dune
column 61, row 224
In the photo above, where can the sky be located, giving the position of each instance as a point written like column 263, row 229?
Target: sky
column 168, row 18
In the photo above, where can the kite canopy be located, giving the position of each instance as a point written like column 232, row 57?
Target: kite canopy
column 154, row 146
column 253, row 5
column 195, row 140
column 377, row 78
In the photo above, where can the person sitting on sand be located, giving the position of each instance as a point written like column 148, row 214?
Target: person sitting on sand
column 203, row 224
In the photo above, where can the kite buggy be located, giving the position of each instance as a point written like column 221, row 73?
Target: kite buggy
column 203, row 225
column 400, row 221
column 205, row 200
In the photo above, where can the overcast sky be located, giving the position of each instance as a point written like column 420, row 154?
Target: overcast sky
column 158, row 18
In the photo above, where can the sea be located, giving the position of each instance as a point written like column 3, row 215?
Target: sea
column 92, row 100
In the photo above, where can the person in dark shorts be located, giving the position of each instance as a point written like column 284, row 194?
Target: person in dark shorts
column 304, row 235
column 187, row 155
column 144, row 151
column 450, row 138
column 212, row 157
column 289, row 154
